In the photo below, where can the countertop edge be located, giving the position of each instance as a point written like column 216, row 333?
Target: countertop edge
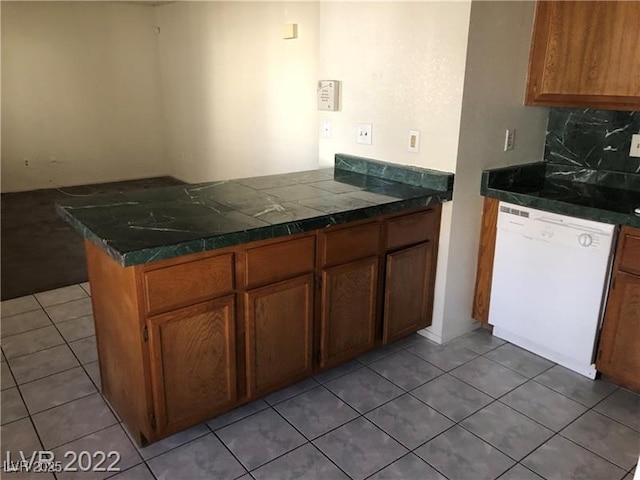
column 562, row 208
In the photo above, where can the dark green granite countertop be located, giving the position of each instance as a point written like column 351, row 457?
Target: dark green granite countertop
column 140, row 227
column 599, row 195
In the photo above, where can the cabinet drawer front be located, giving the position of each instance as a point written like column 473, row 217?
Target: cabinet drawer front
column 279, row 261
column 353, row 243
column 410, row 229
column 630, row 251
column 188, row 283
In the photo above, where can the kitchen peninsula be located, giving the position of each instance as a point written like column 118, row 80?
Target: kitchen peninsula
column 208, row 296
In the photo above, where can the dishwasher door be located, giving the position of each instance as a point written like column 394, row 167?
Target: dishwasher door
column 549, row 278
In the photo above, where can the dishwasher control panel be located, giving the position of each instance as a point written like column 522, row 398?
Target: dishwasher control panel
column 569, row 232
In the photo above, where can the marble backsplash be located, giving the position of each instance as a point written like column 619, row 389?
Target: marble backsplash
column 592, row 139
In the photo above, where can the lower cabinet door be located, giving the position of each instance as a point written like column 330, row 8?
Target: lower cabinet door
column 193, row 363
column 348, row 320
column 407, row 291
column 279, row 320
column 619, row 349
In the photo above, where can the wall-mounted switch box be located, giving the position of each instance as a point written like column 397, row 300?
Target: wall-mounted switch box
column 634, row 151
column 329, row 95
column 290, row 31
column 413, row 145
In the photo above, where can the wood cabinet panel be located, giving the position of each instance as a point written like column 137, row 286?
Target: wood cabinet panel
column 619, row 350
column 193, row 363
column 188, row 283
column 279, row 334
column 630, row 251
column 411, row 229
column 585, row 54
column 348, row 311
column 280, row 260
column 122, row 352
column 408, row 282
column 352, row 243
column 486, row 252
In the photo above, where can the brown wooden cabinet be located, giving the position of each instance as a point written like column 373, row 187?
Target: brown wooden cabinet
column 193, row 363
column 619, row 348
column 585, row 54
column 411, row 248
column 279, row 334
column 348, row 318
column 184, row 339
column 350, row 282
column 407, row 303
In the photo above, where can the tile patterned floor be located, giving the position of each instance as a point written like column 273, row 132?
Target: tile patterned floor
column 476, row 408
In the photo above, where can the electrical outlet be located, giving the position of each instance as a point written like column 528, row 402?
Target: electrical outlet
column 26, row 162
column 326, row 129
column 509, row 139
column 413, row 144
column 364, row 133
column 634, row 151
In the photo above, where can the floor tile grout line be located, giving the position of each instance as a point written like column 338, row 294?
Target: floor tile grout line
column 246, row 469
column 61, row 404
column 533, row 419
column 216, row 436
column 523, row 466
column 165, row 451
column 37, row 351
column 559, row 434
column 553, row 434
column 399, row 386
column 615, row 419
column 292, row 396
column 51, row 375
column 520, row 373
column 566, row 396
column 587, row 448
column 28, row 330
column 451, row 369
column 61, row 303
column 5, row 317
column 309, row 441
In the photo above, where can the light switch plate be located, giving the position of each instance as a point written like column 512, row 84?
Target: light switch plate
column 413, row 143
column 509, row 139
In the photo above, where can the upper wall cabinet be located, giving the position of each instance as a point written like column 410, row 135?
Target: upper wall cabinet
column 585, row 54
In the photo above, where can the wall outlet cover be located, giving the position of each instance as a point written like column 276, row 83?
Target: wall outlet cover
column 634, row 151
column 364, row 133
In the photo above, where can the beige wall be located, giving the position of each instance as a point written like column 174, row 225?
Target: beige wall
column 238, row 99
column 401, row 65
column 496, row 67
column 80, row 94
column 455, row 71
column 402, row 68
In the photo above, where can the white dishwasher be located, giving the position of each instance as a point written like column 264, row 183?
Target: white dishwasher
column 550, row 277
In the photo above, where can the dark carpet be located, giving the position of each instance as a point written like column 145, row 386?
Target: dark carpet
column 40, row 251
